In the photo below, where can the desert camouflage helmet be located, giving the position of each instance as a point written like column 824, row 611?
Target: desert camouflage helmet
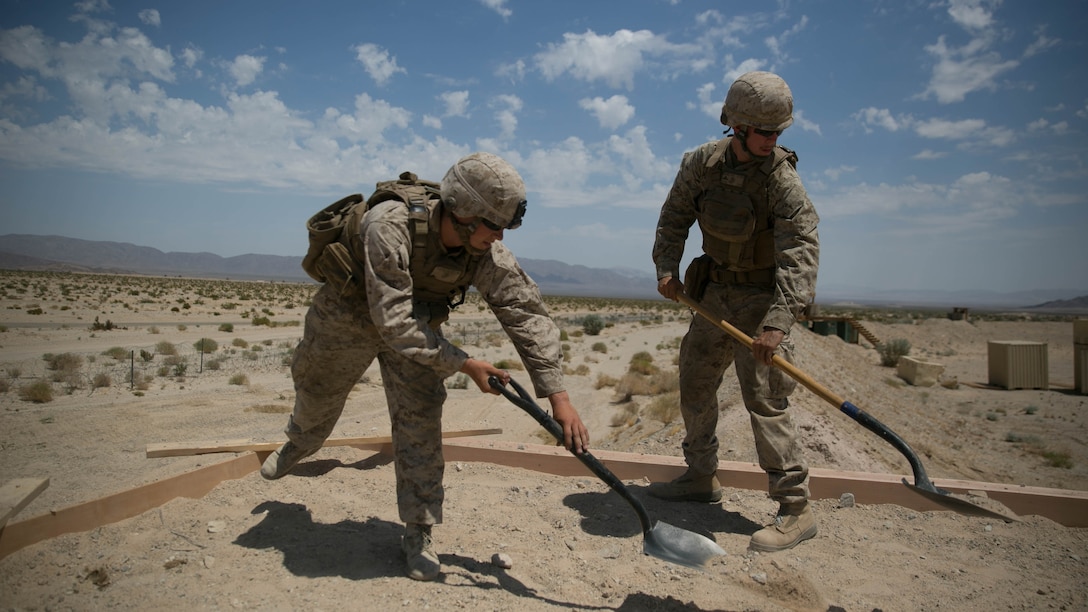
column 758, row 99
column 486, row 186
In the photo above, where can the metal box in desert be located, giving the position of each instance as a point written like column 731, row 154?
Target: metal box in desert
column 1017, row 364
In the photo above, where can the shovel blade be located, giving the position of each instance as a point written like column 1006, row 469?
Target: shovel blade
column 680, row 546
column 958, row 503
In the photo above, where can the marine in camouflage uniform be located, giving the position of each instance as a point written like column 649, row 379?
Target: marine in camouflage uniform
column 395, row 315
column 758, row 271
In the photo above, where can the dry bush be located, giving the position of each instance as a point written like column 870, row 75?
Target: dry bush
column 626, row 416
column 642, row 362
column 39, row 392
column 270, row 409
column 604, row 380
column 64, row 362
column 101, row 380
column 239, row 379
column 166, row 348
column 665, row 408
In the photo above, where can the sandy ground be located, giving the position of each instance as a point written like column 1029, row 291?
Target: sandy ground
column 327, row 536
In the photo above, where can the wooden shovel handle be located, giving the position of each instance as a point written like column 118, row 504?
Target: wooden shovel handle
column 778, row 361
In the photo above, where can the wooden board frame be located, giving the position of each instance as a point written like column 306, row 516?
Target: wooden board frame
column 1069, row 508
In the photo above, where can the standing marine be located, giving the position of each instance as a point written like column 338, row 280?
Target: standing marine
column 757, row 271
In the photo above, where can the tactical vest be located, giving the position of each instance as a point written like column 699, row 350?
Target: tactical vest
column 734, row 212
column 439, row 279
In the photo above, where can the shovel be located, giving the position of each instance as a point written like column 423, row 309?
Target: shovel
column 660, row 540
column 922, row 485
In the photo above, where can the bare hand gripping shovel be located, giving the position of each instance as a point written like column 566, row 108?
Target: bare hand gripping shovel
column 660, row 540
column 922, row 485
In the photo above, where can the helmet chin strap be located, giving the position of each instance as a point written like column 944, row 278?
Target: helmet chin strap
column 743, row 138
column 465, row 232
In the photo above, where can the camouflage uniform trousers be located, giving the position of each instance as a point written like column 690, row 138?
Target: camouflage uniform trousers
column 705, row 353
column 338, row 345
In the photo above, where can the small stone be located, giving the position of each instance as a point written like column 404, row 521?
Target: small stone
column 216, row 526
column 759, row 577
column 846, row 500
column 502, row 560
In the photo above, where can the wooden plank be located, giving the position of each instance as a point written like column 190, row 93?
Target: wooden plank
column 127, row 504
column 182, row 449
column 1067, row 507
column 16, row 494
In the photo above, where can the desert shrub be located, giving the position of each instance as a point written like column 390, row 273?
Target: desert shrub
column 604, row 380
column 64, row 362
column 563, row 337
column 1058, row 459
column 633, row 384
column 239, row 379
column 239, row 342
column 581, row 370
column 626, row 416
column 206, row 345
column 509, row 364
column 14, row 372
column 180, row 368
column 226, row 327
column 665, row 408
column 5, row 385
column 213, row 364
column 146, row 356
column 39, row 392
column 892, row 350
column 118, row 353
column 101, row 380
column 600, row 347
column 592, row 325
column 262, row 321
column 642, row 363
column 458, row 382
column 166, row 348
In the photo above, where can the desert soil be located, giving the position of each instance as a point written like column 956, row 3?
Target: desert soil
column 327, row 536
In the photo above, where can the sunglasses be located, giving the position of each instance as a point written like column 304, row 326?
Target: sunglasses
column 514, row 223
column 767, row 133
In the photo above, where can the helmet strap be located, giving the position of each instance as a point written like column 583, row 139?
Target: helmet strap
column 465, row 232
column 742, row 136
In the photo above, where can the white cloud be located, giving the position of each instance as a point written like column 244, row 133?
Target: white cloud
column 499, row 6
column 881, row 117
column 377, row 62
column 245, row 69
column 150, row 17
column 929, row 154
column 191, row 55
column 432, row 122
column 1041, row 43
column 456, row 103
column 614, row 59
column 515, row 71
column 370, row 119
column 610, row 113
column 972, row 14
column 506, row 114
column 804, row 123
column 835, row 173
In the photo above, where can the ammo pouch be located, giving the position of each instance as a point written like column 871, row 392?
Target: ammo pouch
column 697, row 276
column 324, row 229
column 337, row 267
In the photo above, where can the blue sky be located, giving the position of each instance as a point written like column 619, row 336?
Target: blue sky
column 942, row 142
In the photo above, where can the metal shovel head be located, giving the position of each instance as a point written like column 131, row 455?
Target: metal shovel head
column 680, row 546
column 958, row 504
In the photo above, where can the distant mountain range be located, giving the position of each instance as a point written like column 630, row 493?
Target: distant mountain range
column 58, row 253
column 31, row 252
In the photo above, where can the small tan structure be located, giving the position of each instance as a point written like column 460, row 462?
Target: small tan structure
column 1016, row 364
column 919, row 373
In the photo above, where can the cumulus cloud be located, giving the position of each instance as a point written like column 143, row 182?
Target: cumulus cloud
column 455, row 102
column 377, row 62
column 499, row 6
column 245, row 69
column 610, row 113
column 614, row 58
column 880, row 117
column 507, row 108
column 150, row 17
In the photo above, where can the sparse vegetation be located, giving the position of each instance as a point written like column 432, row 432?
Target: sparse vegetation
column 39, row 392
column 892, row 350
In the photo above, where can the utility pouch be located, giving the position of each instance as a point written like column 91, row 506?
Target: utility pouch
column 336, row 267
column 324, row 228
column 697, row 276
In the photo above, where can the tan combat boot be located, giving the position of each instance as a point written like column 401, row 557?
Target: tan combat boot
column 280, row 462
column 422, row 562
column 690, row 486
column 793, row 525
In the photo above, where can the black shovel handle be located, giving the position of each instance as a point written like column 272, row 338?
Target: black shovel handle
column 524, row 401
